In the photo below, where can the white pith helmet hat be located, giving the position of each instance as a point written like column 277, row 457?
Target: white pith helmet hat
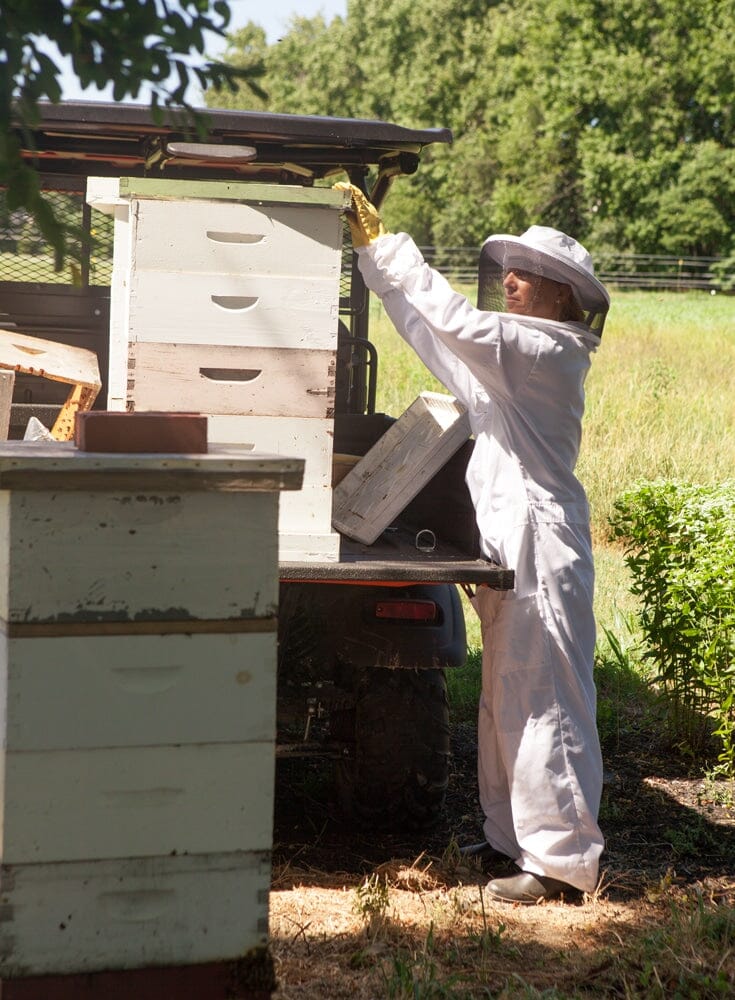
column 551, row 254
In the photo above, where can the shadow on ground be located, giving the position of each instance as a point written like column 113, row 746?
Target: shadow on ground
column 662, row 826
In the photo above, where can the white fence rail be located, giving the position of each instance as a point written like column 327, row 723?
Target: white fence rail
column 459, row 264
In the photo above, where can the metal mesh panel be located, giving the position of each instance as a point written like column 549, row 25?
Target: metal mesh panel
column 26, row 256
column 346, row 306
column 102, row 231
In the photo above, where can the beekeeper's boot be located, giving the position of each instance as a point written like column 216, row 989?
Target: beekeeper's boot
column 528, row 889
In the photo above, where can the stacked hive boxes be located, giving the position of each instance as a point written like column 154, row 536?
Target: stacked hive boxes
column 225, row 301
column 138, row 599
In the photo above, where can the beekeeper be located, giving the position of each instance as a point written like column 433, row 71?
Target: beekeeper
column 518, row 364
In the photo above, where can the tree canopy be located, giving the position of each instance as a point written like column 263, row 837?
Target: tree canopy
column 129, row 43
column 611, row 119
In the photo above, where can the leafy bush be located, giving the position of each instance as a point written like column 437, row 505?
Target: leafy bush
column 680, row 548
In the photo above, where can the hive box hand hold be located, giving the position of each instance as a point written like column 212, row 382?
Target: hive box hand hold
column 384, row 481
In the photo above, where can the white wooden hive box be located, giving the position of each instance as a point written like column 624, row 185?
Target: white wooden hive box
column 128, row 913
column 225, row 301
column 412, row 450
column 138, row 748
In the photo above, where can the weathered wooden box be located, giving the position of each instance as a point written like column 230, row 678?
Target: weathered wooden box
column 138, row 679
column 225, row 301
column 413, row 449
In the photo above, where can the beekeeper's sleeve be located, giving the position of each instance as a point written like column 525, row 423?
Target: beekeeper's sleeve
column 456, row 341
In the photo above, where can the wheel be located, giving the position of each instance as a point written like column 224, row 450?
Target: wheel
column 398, row 774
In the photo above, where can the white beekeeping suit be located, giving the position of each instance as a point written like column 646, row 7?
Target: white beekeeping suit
column 522, row 381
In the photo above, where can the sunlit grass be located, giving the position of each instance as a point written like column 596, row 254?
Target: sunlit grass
column 660, row 396
column 660, row 403
column 660, row 393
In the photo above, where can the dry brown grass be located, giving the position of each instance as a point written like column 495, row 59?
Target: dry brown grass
column 367, row 915
column 442, row 938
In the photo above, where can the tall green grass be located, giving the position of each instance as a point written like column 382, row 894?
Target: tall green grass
column 660, row 395
column 660, row 403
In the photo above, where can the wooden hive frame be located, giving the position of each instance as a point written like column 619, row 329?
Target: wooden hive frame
column 59, row 362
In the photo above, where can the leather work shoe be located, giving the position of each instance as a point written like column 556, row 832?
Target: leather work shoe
column 528, row 889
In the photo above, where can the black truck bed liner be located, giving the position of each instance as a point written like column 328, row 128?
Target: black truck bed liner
column 394, row 558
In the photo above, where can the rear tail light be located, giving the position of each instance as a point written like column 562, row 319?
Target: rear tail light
column 413, row 611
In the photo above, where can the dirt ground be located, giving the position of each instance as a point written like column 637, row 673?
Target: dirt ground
column 434, row 933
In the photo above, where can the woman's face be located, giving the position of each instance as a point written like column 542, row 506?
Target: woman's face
column 531, row 295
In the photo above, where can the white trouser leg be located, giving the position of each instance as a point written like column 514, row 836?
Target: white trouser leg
column 492, row 778
column 540, row 692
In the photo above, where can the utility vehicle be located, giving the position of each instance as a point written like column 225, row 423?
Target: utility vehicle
column 364, row 641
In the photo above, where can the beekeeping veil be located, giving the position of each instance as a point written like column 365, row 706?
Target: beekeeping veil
column 551, row 254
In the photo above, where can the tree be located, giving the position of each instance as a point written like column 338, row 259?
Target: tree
column 610, row 119
column 309, row 71
column 129, row 43
column 246, row 50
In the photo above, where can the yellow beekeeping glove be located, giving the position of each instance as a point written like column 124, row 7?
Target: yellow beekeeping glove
column 363, row 218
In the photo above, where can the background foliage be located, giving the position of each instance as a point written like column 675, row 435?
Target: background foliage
column 680, row 549
column 129, row 43
column 610, row 119
column 660, row 407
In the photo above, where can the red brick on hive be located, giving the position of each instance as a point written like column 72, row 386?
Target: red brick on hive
column 144, row 432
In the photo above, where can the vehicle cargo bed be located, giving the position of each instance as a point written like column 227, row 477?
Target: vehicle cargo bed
column 443, row 508
column 394, row 558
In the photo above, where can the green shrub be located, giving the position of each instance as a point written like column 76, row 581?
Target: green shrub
column 680, row 548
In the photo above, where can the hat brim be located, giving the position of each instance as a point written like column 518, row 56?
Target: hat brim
column 508, row 251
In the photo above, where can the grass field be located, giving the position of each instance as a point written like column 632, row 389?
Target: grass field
column 660, row 403
column 662, row 924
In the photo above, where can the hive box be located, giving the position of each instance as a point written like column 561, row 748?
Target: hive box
column 225, row 302
column 412, row 450
column 137, row 711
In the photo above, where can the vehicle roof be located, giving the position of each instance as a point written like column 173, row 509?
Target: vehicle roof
column 78, row 138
